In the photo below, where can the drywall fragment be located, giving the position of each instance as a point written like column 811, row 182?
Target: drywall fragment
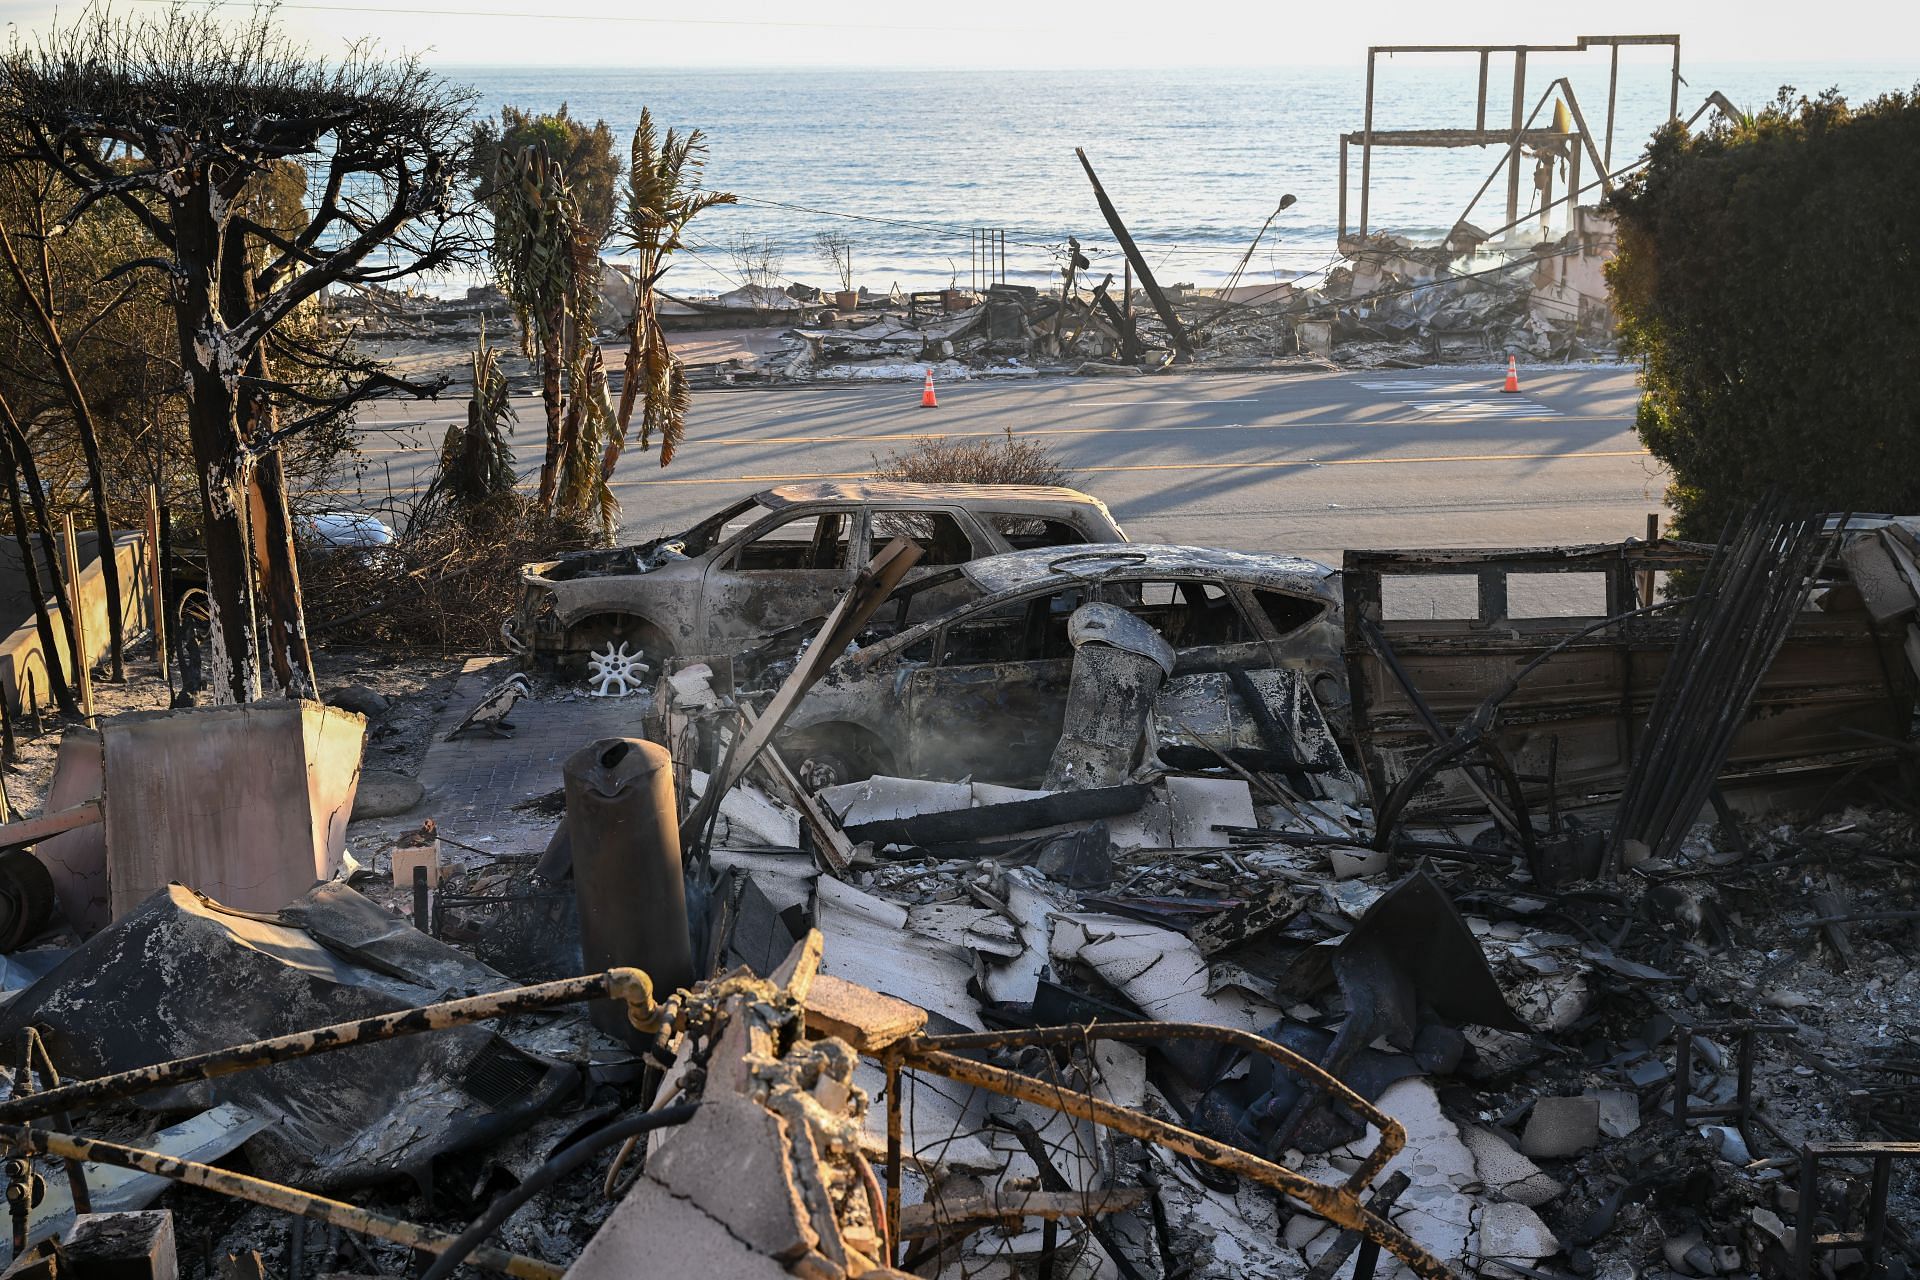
column 1201, row 804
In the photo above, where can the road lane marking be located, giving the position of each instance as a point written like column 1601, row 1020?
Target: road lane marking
column 426, row 449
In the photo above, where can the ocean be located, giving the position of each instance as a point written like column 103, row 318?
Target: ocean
column 908, row 163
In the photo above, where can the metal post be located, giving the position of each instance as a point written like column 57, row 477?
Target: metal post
column 1646, row 575
column 1673, row 91
column 157, row 570
column 1366, row 147
column 81, row 667
column 1613, row 94
column 1682, row 1074
column 1343, row 193
column 1513, row 146
column 1480, row 111
column 1803, row 1231
column 421, row 918
column 1877, row 1211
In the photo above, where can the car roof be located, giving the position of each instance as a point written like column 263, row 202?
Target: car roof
column 1013, row 570
column 1007, row 497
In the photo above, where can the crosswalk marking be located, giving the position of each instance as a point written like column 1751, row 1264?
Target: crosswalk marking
column 1411, row 386
column 1500, row 406
column 1458, row 401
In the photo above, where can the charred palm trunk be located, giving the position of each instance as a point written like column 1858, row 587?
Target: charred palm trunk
column 550, row 393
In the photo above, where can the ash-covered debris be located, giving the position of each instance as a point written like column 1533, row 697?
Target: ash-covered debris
column 1247, row 973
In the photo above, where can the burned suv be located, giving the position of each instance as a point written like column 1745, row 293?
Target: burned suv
column 783, row 555
column 979, row 690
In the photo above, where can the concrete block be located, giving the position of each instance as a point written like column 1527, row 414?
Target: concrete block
column 1510, row 1232
column 654, row 1235
column 1507, row 1171
column 731, row 1161
column 120, row 1246
column 1561, row 1127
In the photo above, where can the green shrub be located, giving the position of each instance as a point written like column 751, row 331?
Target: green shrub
column 1769, row 277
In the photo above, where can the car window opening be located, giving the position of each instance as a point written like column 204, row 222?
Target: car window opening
column 1023, row 533
column 807, row 542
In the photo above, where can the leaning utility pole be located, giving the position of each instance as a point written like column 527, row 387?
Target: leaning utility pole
column 1182, row 349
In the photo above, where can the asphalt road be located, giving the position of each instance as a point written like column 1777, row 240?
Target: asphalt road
column 1308, row 464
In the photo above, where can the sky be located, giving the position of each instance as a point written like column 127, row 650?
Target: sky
column 1054, row 34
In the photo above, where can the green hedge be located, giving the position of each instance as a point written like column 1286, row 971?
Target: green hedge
column 1769, row 276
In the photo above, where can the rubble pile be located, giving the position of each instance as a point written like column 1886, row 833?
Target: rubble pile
column 1388, row 303
column 1245, row 977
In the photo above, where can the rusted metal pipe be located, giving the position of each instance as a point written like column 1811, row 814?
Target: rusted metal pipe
column 272, row 1195
column 630, row 985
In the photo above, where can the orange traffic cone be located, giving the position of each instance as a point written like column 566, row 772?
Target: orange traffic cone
column 926, row 395
column 1513, row 375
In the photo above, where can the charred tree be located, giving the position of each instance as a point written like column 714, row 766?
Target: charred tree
column 19, row 462
column 41, row 312
column 170, row 117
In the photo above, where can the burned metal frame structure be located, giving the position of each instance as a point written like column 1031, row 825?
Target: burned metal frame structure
column 1341, row 1204
column 1517, row 134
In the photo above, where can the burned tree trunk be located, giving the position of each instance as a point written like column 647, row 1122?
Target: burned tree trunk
column 42, row 620
column 40, row 310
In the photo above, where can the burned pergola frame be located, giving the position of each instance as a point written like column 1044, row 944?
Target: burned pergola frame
column 1517, row 134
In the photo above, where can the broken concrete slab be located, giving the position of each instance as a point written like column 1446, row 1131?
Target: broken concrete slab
column 1561, row 1127
column 865, row 1019
column 1506, row 1170
column 1619, row 1111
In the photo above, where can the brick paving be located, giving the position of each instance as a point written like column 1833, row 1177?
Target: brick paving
column 474, row 781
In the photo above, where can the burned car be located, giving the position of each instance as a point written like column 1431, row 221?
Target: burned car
column 980, row 689
column 786, row 553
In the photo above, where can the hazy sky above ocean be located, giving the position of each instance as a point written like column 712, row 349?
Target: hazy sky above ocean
column 1058, row 33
